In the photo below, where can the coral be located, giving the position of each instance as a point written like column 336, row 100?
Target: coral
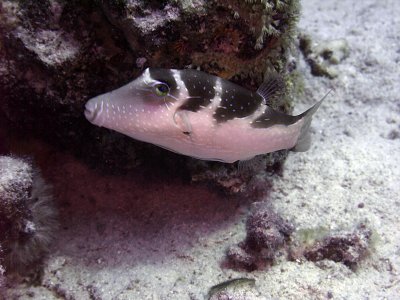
column 28, row 219
column 323, row 55
column 269, row 19
column 267, row 232
column 234, row 179
column 346, row 248
column 231, row 38
column 240, row 258
column 221, row 175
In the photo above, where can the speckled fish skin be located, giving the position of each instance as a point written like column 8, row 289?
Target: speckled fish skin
column 199, row 115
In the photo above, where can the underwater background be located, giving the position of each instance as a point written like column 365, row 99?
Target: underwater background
column 87, row 213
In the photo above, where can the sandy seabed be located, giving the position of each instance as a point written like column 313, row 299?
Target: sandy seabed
column 136, row 238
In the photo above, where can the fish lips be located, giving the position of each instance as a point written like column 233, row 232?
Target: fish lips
column 93, row 110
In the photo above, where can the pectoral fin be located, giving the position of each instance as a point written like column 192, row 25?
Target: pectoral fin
column 273, row 87
column 181, row 120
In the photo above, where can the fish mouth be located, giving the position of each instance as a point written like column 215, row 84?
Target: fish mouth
column 93, row 111
column 90, row 115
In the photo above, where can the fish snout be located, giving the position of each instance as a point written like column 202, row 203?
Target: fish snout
column 92, row 111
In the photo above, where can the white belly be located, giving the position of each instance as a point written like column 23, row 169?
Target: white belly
column 228, row 142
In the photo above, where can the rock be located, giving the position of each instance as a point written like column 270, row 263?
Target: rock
column 322, row 56
column 240, row 258
column 231, row 38
column 267, row 232
column 232, row 180
column 28, row 219
column 346, row 248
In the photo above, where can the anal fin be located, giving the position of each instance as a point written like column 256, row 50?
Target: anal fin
column 303, row 143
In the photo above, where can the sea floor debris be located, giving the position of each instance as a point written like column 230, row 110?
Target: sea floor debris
column 267, row 233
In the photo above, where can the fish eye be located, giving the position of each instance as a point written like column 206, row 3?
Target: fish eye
column 161, row 89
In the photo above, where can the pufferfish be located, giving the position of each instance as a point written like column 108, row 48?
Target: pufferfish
column 201, row 115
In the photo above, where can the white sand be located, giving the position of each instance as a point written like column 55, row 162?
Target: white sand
column 128, row 239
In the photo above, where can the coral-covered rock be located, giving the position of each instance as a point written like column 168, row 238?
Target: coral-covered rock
column 231, row 38
column 346, row 248
column 240, row 258
column 232, row 179
column 27, row 215
column 267, row 232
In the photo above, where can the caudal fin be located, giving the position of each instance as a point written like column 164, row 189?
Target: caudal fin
column 304, row 140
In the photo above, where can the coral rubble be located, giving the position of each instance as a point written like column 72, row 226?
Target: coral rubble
column 346, row 248
column 324, row 55
column 267, row 232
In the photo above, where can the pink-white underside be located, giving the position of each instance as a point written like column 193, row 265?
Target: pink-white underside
column 229, row 141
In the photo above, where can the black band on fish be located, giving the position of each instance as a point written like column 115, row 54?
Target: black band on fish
column 201, row 89
column 194, row 104
column 165, row 76
column 236, row 102
column 272, row 117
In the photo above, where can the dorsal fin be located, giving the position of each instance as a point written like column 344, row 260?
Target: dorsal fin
column 272, row 87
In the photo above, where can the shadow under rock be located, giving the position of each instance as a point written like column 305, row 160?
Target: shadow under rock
column 132, row 218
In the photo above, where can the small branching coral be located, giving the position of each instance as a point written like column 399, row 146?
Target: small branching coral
column 279, row 18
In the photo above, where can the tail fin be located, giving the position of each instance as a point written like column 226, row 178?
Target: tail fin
column 304, row 140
